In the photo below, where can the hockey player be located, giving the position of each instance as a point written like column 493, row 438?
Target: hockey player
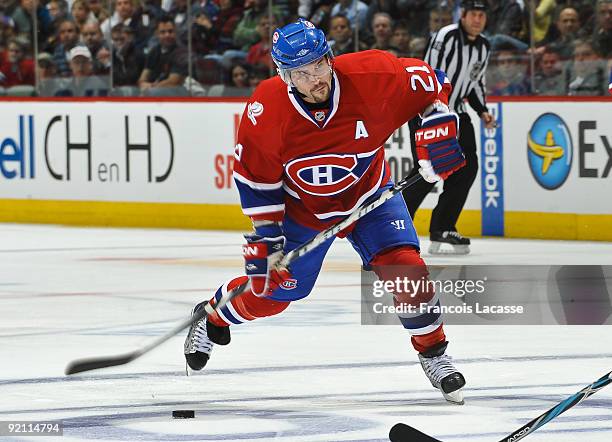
column 310, row 151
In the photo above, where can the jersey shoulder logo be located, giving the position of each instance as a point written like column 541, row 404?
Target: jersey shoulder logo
column 329, row 174
column 254, row 110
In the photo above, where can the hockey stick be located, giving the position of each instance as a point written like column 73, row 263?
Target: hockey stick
column 405, row 433
column 87, row 364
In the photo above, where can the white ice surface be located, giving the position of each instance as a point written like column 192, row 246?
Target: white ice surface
column 312, row 373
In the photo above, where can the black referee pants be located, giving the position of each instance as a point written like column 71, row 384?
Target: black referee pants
column 456, row 186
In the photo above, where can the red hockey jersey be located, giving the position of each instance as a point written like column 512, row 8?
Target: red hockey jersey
column 318, row 167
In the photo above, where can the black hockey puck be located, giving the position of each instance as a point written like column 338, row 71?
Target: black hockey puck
column 183, row 414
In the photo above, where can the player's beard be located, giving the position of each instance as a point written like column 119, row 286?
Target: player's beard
column 319, row 93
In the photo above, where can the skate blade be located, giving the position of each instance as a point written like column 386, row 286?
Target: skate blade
column 442, row 248
column 456, row 397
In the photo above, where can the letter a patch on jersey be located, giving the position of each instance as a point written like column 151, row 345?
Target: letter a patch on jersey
column 360, row 130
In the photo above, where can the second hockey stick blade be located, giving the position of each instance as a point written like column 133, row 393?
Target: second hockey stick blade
column 405, row 433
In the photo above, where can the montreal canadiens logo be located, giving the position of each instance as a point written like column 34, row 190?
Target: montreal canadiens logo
column 289, row 284
column 275, row 37
column 326, row 175
column 308, row 24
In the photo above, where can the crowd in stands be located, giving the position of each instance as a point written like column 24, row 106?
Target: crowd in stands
column 222, row 47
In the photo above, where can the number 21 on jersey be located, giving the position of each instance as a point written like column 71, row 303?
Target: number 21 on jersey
column 415, row 78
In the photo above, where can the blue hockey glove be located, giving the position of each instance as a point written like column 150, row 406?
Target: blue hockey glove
column 262, row 253
column 438, row 150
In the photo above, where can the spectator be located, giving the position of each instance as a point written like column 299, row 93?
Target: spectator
column 563, row 35
column 543, row 17
column 165, row 66
column 144, row 21
column 505, row 17
column 239, row 76
column 124, row 9
column 15, row 68
column 91, row 35
column 83, row 83
column 178, row 11
column 67, row 38
column 509, row 73
column 586, row 14
column 58, row 9
column 22, row 16
column 46, row 68
column 203, row 37
column 216, row 36
column 128, row 60
column 586, row 75
column 305, row 8
column 81, row 62
column 208, row 8
column 322, row 14
column 237, row 85
column 7, row 31
column 603, row 30
column 438, row 18
column 98, row 9
column 81, row 14
column 46, row 75
column 382, row 25
column 388, row 6
column 230, row 13
column 259, row 54
column 400, row 40
column 354, row 10
column 245, row 34
column 548, row 79
column 341, row 36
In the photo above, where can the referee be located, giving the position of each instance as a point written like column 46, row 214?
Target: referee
column 462, row 52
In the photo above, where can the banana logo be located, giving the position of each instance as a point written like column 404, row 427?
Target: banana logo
column 549, row 151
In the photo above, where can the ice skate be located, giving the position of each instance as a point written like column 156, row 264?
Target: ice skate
column 200, row 340
column 449, row 242
column 442, row 373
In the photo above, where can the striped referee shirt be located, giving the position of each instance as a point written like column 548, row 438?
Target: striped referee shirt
column 464, row 61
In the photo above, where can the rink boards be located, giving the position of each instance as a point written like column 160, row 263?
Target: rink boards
column 545, row 170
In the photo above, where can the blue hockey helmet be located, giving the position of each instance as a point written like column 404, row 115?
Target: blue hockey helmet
column 298, row 44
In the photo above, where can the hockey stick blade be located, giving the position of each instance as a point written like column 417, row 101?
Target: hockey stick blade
column 405, row 433
column 88, row 364
column 81, row 365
